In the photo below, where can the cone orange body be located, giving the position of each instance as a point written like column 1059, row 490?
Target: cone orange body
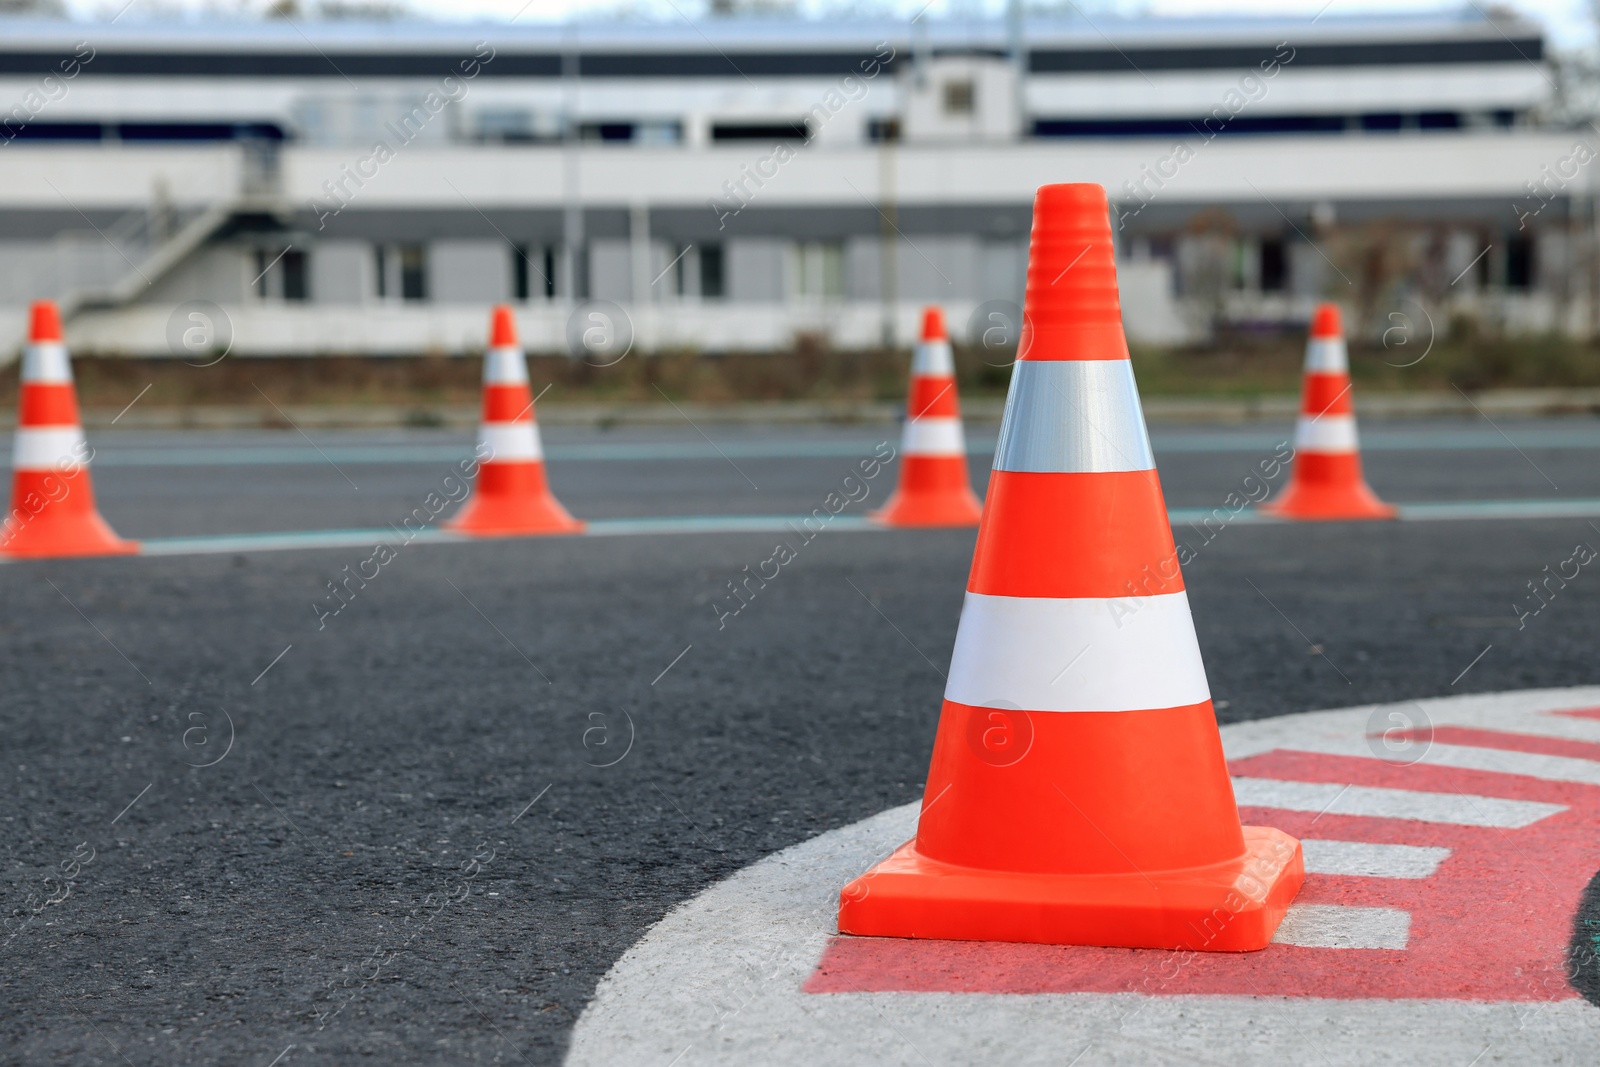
column 52, row 496
column 1078, row 792
column 934, row 489
column 510, row 495
column 1325, row 480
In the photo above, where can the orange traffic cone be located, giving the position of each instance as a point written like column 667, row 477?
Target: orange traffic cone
column 1325, row 480
column 1078, row 792
column 52, row 497
column 511, row 495
column 934, row 489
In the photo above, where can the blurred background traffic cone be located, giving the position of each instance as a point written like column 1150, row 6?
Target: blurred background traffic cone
column 52, row 496
column 1078, row 792
column 1325, row 480
column 934, row 489
column 511, row 495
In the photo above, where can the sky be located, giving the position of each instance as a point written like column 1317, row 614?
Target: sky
column 1567, row 22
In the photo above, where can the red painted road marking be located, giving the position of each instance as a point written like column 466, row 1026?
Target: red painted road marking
column 1581, row 713
column 1492, row 923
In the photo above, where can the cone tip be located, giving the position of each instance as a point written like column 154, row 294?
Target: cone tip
column 503, row 328
column 1326, row 322
column 1072, row 309
column 933, row 325
column 1065, row 199
column 46, row 322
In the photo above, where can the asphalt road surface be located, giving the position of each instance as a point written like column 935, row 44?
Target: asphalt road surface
column 423, row 832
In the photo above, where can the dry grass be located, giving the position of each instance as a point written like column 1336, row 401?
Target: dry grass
column 1237, row 367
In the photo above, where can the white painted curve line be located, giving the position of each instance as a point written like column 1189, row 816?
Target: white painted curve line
column 1337, row 926
column 312, row 539
column 1470, row 758
column 1457, row 809
column 1530, row 764
column 1541, row 724
column 1363, row 859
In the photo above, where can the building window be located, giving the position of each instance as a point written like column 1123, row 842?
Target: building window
column 959, row 97
column 1519, row 263
column 281, row 274
column 1274, row 266
column 819, row 269
column 697, row 270
column 606, row 131
column 401, row 271
column 761, row 131
column 520, row 269
column 712, row 285
column 883, row 131
column 413, row 272
column 1239, row 272
column 658, row 132
column 533, row 272
column 1383, row 122
column 295, row 286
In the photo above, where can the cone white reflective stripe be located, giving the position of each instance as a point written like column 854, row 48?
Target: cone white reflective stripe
column 46, row 362
column 40, row 448
column 509, row 442
column 1077, row 654
column 1073, row 416
column 933, row 437
column 1326, row 355
column 932, row 359
column 1325, row 433
column 504, row 366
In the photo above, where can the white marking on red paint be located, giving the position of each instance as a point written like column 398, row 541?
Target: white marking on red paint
column 1338, row 926
column 1433, row 925
column 1510, row 821
column 1336, row 798
column 1369, row 860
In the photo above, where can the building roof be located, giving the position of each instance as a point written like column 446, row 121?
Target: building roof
column 682, row 48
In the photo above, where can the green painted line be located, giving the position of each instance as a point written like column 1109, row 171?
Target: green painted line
column 1168, row 443
column 1442, row 511
column 1448, row 510
column 273, row 542
column 358, row 538
column 1428, row 511
column 402, row 455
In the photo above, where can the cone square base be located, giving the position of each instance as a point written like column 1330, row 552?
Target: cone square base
column 958, row 507
column 513, row 500
column 1329, row 504
column 514, row 520
column 49, row 536
column 1228, row 907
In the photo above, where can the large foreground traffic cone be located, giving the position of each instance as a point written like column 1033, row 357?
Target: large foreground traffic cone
column 511, row 495
column 1325, row 480
column 52, row 496
column 1078, row 792
column 934, row 489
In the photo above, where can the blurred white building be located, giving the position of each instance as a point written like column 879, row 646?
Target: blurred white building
column 736, row 184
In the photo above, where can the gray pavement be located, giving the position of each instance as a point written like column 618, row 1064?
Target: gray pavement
column 422, row 833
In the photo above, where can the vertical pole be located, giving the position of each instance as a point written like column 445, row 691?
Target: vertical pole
column 1017, row 46
column 572, row 216
column 639, row 262
column 639, row 252
column 888, row 259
